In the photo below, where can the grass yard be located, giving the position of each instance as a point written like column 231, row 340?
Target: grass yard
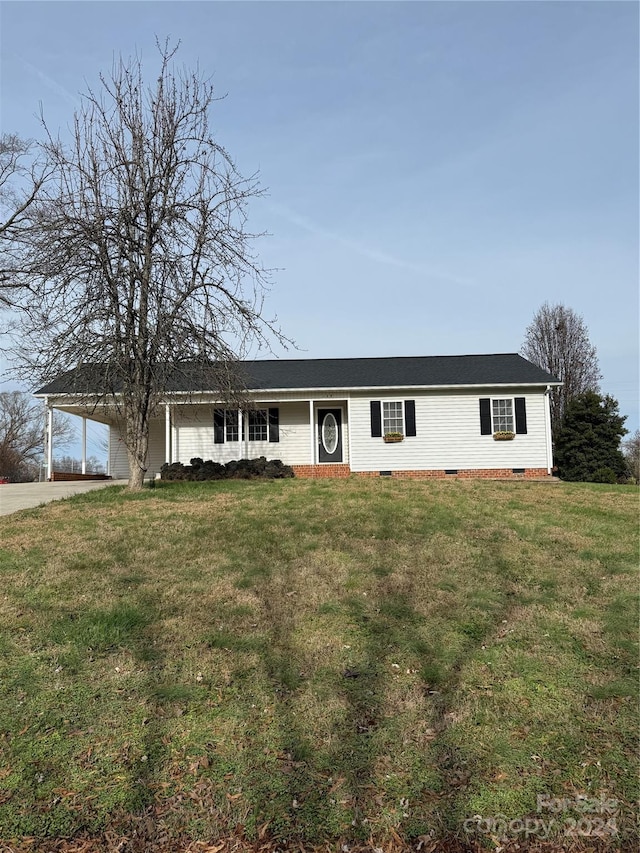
column 358, row 662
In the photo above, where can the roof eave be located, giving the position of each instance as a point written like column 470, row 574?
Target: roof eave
column 336, row 389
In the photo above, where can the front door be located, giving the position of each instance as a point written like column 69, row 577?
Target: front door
column 329, row 435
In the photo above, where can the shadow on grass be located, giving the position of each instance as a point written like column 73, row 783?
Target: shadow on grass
column 62, row 752
column 338, row 788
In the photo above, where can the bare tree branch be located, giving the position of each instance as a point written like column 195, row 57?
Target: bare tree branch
column 558, row 341
column 23, row 172
column 631, row 451
column 22, row 433
column 141, row 260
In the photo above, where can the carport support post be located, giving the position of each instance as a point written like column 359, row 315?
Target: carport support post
column 84, row 445
column 167, row 434
column 49, row 442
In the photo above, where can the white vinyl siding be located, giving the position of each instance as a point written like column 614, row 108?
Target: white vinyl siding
column 118, row 461
column 447, row 435
column 194, row 436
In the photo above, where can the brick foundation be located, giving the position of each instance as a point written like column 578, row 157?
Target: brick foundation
column 463, row 474
column 333, row 471
column 328, row 470
column 59, row 476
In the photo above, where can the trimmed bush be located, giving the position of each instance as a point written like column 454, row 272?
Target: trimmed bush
column 241, row 469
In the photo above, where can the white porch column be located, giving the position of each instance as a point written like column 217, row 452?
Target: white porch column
column 84, row 445
column 245, row 429
column 109, row 452
column 312, row 435
column 49, row 441
column 167, row 434
column 175, row 450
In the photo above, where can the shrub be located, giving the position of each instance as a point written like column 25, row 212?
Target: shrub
column 241, row 469
column 604, row 475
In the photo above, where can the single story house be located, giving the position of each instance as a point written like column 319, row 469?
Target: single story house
column 430, row 416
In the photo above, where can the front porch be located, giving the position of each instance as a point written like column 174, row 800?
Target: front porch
column 312, row 436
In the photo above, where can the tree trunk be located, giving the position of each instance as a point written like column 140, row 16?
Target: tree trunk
column 137, row 432
column 136, row 476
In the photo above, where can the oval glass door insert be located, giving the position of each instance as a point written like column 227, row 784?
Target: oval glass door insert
column 329, row 433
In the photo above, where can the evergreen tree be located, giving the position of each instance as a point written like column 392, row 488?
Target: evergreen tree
column 588, row 443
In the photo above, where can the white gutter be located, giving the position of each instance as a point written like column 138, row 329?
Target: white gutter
column 266, row 392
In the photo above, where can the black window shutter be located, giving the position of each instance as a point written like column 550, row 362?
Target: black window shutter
column 485, row 416
column 274, row 425
column 376, row 419
column 243, row 417
column 410, row 417
column 218, row 426
column 521, row 415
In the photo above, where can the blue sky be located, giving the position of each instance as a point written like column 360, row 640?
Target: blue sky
column 436, row 171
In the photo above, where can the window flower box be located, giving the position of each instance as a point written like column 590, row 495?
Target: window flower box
column 504, row 435
column 393, row 437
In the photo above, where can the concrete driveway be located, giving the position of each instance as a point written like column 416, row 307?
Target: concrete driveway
column 16, row 496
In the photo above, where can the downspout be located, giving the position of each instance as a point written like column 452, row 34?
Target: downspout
column 349, row 429
column 547, row 427
column 312, row 435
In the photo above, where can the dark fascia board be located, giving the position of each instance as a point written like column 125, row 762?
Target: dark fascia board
column 324, row 374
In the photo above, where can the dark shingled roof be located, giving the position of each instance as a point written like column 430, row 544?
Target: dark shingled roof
column 335, row 373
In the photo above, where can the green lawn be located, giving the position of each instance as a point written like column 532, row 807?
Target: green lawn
column 343, row 661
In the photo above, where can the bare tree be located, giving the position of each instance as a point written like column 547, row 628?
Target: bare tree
column 558, row 341
column 73, row 465
column 22, row 434
column 23, row 172
column 141, row 261
column 631, row 451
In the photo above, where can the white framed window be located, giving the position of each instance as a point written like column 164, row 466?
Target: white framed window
column 258, row 425
column 231, row 425
column 502, row 414
column 392, row 417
